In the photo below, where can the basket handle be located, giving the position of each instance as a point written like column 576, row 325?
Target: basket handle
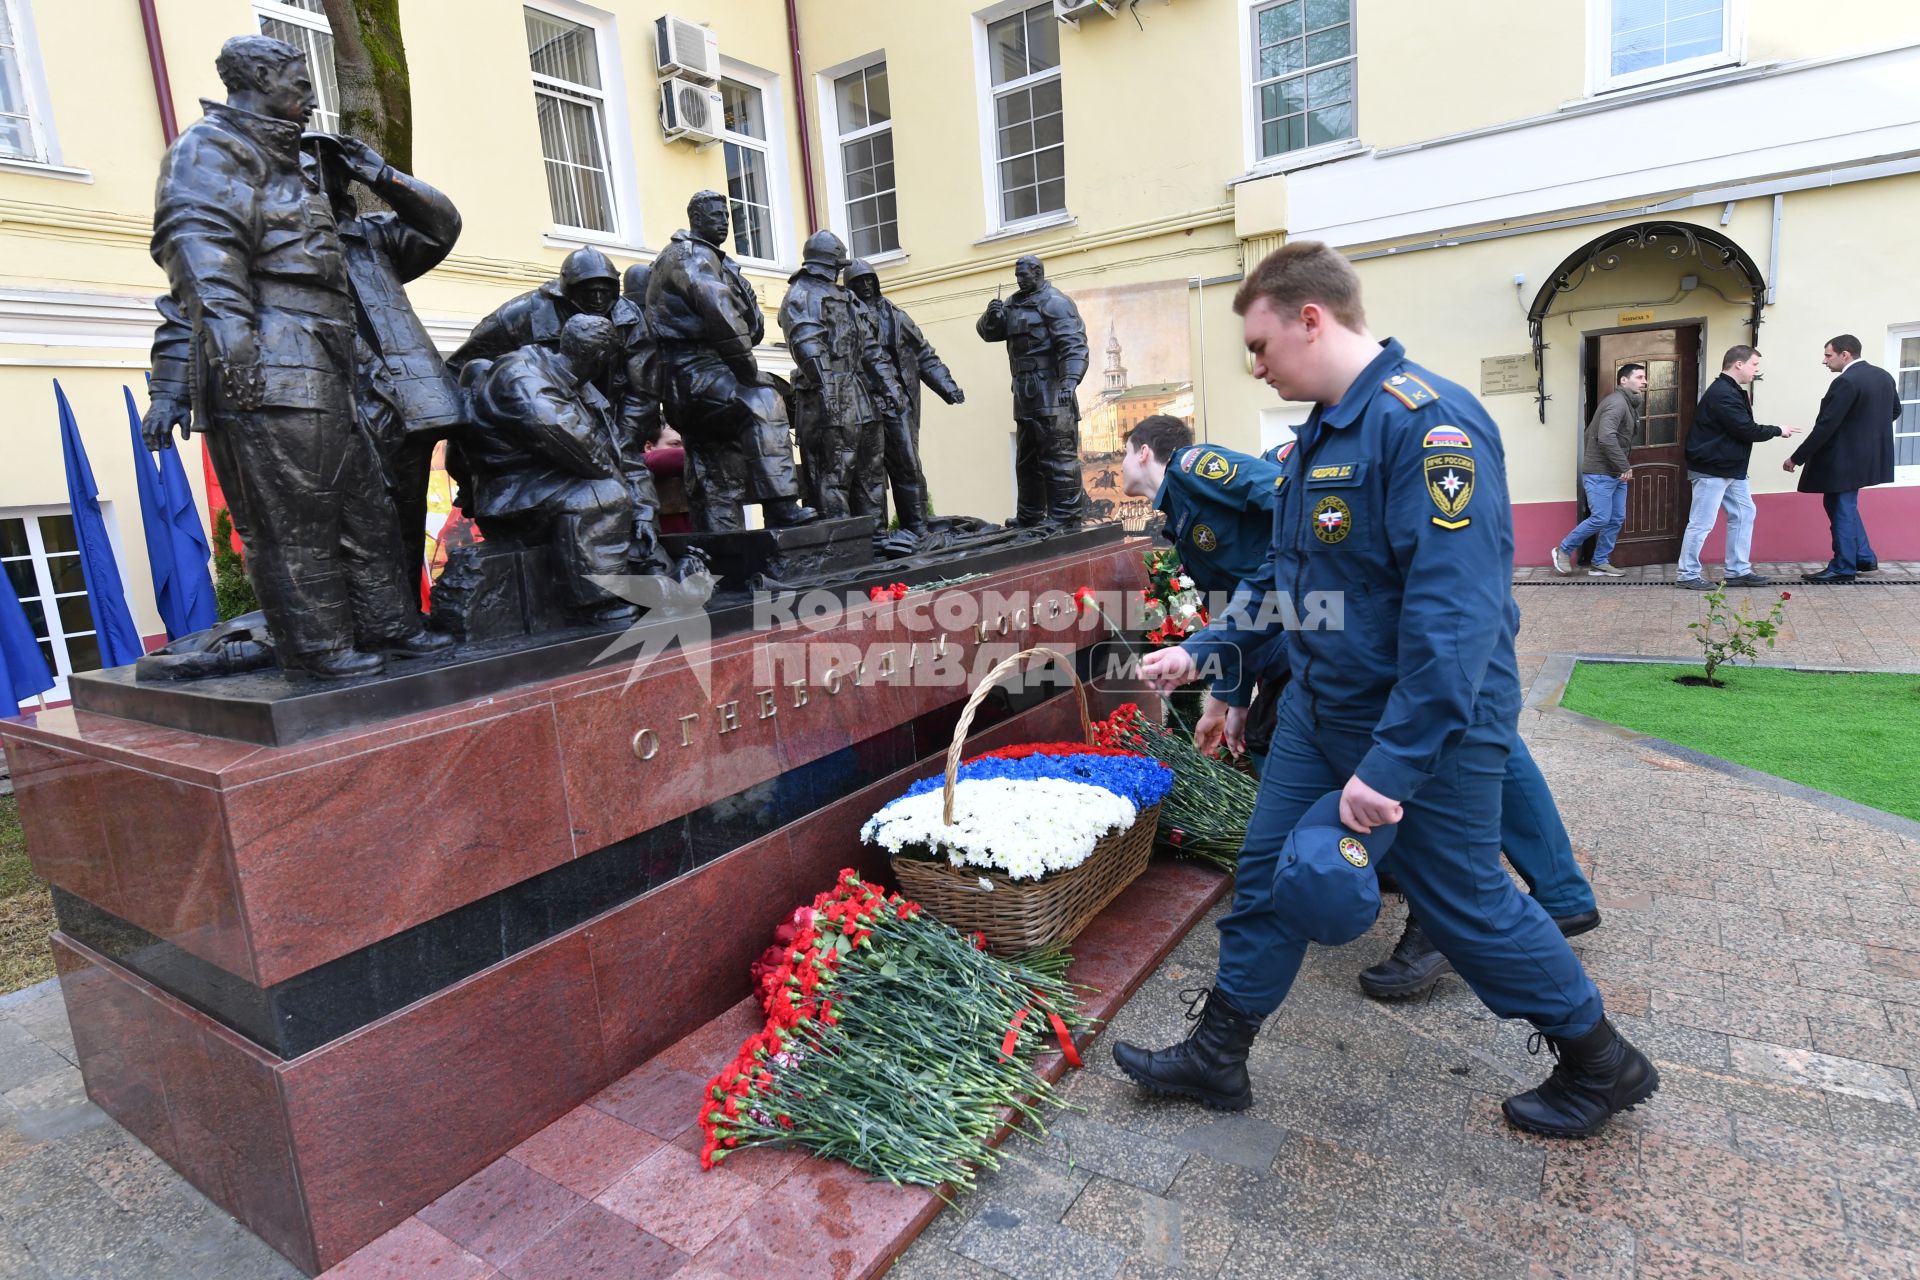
column 979, row 695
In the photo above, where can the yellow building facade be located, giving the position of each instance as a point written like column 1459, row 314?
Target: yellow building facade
column 1672, row 164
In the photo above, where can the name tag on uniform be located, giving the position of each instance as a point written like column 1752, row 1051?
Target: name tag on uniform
column 1338, row 475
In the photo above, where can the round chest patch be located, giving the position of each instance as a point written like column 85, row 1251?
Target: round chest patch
column 1205, row 538
column 1353, row 851
column 1331, row 520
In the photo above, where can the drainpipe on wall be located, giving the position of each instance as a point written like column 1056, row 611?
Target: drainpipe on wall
column 157, row 60
column 799, row 112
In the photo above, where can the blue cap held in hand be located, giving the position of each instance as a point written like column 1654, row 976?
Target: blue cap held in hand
column 1326, row 887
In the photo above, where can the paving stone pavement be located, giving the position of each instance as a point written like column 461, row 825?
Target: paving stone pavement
column 1762, row 947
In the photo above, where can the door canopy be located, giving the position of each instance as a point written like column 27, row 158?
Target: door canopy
column 1676, row 242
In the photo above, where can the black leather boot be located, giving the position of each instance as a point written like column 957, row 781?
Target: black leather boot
column 1415, row 965
column 1582, row 922
column 1597, row 1075
column 1209, row 1066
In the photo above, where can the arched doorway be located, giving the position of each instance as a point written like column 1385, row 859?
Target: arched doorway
column 1696, row 257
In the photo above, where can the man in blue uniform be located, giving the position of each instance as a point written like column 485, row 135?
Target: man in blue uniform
column 1219, row 509
column 1395, row 497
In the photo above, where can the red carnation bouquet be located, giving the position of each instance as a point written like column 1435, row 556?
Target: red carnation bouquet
column 1205, row 816
column 892, row 1042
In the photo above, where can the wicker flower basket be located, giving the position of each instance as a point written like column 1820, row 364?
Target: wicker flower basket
column 1024, row 915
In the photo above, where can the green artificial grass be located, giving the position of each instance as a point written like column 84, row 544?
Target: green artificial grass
column 26, row 908
column 1852, row 735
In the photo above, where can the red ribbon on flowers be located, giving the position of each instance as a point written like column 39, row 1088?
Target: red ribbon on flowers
column 1060, row 1033
column 1013, row 1035
column 1067, row 1051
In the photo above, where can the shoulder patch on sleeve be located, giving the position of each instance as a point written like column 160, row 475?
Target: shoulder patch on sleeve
column 1189, row 456
column 1212, row 466
column 1446, row 437
column 1410, row 390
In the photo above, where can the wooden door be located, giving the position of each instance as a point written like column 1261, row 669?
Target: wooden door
column 1658, row 496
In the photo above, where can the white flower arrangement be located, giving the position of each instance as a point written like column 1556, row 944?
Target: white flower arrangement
column 1024, row 827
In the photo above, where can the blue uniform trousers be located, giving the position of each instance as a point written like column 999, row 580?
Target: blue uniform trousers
column 1535, row 840
column 1531, row 835
column 1447, row 859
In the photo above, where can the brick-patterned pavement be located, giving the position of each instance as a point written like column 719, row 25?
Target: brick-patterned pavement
column 1761, row 945
column 1763, row 948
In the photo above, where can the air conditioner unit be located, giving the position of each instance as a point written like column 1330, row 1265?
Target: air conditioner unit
column 1071, row 11
column 683, row 48
column 689, row 111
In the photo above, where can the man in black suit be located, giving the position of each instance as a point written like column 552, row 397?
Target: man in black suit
column 1849, row 448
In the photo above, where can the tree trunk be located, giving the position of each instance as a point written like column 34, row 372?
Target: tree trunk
column 370, row 62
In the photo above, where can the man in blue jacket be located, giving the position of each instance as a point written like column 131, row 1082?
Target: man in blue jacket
column 1219, row 509
column 1395, row 498
column 1849, row 448
column 1719, row 448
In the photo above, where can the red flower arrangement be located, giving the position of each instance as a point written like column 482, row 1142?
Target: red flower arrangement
column 892, row 1042
column 892, row 591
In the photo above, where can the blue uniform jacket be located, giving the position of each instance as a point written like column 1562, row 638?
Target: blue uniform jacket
column 1395, row 499
column 1219, row 508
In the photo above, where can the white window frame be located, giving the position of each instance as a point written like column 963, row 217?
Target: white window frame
column 1256, row 164
column 987, row 91
column 293, row 16
column 1600, row 77
column 774, row 147
column 834, row 140
column 43, row 578
column 618, row 130
column 33, row 83
column 1895, row 335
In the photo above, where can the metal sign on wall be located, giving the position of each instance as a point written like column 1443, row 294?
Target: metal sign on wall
column 1504, row 375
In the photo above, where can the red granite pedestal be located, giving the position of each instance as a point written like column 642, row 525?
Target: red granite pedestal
column 331, row 981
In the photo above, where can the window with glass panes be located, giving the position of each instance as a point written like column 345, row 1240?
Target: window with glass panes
column 749, row 175
column 1303, row 63
column 19, row 134
column 1660, row 409
column 41, row 556
column 1023, row 51
column 1906, row 427
column 570, row 102
column 863, row 113
column 1647, row 36
column 303, row 24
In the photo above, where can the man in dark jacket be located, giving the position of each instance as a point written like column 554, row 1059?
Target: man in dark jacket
column 1605, row 467
column 1849, row 448
column 1718, row 449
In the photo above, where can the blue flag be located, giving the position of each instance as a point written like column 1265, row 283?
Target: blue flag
column 177, row 550
column 23, row 668
column 112, row 624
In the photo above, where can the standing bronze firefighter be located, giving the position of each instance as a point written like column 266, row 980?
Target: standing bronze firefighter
column 257, row 348
column 1047, row 349
column 843, row 384
column 914, row 361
